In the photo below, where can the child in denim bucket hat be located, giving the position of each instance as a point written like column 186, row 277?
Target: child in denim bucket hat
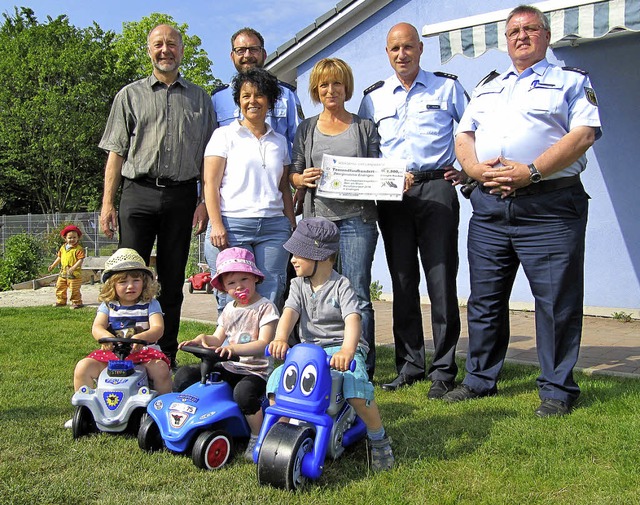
column 245, row 327
column 327, row 307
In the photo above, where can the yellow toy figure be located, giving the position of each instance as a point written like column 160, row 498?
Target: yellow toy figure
column 70, row 258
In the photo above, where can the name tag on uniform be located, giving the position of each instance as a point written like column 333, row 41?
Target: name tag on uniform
column 432, row 106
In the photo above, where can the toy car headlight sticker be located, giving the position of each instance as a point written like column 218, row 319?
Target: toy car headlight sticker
column 290, row 378
column 308, row 380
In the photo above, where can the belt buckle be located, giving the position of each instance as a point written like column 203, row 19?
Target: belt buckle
column 158, row 183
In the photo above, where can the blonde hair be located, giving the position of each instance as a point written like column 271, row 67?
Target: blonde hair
column 150, row 287
column 330, row 68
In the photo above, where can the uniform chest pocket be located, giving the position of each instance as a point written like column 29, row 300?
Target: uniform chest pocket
column 278, row 111
column 543, row 99
column 383, row 113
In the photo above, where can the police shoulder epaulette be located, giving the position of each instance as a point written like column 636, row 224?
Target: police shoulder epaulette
column 488, row 78
column 574, row 69
column 219, row 88
column 448, row 76
column 373, row 87
column 287, row 85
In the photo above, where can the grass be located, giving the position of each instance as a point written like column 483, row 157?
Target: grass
column 488, row 451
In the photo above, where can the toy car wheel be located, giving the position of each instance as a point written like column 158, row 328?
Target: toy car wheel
column 281, row 455
column 83, row 422
column 149, row 438
column 137, row 417
column 212, row 449
column 191, row 287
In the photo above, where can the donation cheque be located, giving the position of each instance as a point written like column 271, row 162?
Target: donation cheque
column 349, row 178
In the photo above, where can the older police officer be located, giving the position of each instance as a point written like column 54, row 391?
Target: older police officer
column 524, row 137
column 415, row 112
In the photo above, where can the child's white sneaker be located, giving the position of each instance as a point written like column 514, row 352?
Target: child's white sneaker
column 69, row 424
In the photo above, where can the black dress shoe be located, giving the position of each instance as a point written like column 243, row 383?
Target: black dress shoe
column 440, row 388
column 551, row 408
column 400, row 381
column 464, row 392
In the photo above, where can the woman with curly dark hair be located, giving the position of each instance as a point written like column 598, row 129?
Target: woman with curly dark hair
column 246, row 186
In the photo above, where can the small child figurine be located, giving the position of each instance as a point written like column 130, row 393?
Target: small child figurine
column 326, row 305
column 70, row 258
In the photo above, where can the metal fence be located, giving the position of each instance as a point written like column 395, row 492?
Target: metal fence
column 94, row 242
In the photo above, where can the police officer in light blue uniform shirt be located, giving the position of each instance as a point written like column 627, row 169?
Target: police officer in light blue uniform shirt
column 523, row 138
column 247, row 51
column 415, row 111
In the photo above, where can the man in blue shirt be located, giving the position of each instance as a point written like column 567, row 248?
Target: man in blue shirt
column 247, row 51
column 414, row 112
column 523, row 138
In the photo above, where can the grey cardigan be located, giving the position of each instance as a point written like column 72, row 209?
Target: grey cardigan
column 368, row 147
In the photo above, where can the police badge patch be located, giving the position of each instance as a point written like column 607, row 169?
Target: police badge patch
column 591, row 96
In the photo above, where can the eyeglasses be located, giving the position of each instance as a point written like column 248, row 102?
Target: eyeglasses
column 529, row 30
column 253, row 50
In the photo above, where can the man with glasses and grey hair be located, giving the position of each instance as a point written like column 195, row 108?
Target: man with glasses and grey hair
column 523, row 137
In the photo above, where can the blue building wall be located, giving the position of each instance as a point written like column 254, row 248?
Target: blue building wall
column 612, row 176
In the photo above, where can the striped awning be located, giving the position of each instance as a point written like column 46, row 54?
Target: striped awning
column 572, row 21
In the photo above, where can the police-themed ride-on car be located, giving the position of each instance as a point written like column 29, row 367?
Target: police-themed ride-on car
column 321, row 422
column 120, row 399
column 202, row 419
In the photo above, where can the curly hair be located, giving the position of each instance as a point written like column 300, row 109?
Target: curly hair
column 265, row 82
column 150, row 287
column 331, row 69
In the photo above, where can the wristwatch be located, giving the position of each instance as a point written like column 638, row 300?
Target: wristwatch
column 535, row 175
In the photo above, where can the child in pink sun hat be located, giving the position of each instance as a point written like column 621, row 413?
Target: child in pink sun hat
column 245, row 327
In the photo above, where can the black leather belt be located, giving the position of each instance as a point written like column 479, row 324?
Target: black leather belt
column 542, row 186
column 427, row 175
column 163, row 182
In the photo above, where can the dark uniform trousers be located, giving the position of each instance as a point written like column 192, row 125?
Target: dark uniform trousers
column 545, row 233
column 146, row 213
column 424, row 222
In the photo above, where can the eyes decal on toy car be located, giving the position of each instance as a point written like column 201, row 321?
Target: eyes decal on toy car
column 290, row 378
column 308, row 380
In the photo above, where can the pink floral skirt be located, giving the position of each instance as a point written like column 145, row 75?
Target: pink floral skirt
column 143, row 356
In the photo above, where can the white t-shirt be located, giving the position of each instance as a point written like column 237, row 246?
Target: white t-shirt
column 254, row 168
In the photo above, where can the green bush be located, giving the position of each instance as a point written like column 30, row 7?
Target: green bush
column 376, row 291
column 22, row 259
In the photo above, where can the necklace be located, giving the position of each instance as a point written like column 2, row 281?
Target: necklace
column 263, row 153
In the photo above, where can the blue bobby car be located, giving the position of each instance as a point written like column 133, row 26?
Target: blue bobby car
column 321, row 421
column 202, row 419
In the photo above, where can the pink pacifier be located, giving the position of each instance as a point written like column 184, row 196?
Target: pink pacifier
column 242, row 296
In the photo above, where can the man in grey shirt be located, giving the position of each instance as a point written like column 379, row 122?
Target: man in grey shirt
column 155, row 136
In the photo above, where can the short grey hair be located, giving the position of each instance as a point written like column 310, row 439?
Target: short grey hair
column 530, row 9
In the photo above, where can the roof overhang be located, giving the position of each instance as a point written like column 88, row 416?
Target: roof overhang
column 572, row 22
column 326, row 29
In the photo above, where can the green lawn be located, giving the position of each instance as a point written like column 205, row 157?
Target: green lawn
column 492, row 450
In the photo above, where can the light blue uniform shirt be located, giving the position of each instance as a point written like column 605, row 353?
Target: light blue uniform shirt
column 417, row 125
column 284, row 119
column 521, row 116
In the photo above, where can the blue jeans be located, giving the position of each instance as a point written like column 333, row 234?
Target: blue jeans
column 264, row 237
column 358, row 240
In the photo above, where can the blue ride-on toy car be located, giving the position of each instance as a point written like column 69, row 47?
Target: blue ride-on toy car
column 203, row 419
column 321, row 422
column 120, row 399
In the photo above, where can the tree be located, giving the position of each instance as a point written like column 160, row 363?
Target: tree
column 131, row 50
column 57, row 85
